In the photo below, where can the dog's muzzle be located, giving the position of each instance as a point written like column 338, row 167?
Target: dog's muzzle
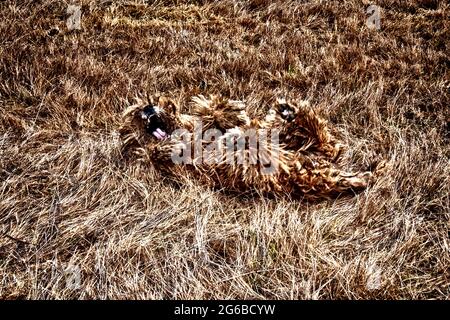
column 153, row 123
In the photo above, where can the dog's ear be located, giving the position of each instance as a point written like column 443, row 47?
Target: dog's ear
column 168, row 105
column 133, row 111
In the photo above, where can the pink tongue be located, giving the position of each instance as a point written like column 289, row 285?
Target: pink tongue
column 162, row 133
column 158, row 133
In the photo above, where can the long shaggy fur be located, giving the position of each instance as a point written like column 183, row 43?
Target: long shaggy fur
column 305, row 158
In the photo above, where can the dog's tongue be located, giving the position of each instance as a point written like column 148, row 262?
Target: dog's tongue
column 160, row 134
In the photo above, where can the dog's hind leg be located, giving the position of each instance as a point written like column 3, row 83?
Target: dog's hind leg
column 329, row 182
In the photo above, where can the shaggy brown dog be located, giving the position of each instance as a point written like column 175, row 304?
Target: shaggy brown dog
column 299, row 159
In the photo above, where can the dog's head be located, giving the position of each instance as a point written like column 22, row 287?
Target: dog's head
column 153, row 120
column 157, row 118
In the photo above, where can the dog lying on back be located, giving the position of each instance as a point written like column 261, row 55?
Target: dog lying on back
column 220, row 146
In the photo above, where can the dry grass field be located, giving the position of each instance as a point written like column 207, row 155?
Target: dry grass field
column 78, row 221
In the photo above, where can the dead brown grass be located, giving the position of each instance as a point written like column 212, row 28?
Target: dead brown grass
column 68, row 199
